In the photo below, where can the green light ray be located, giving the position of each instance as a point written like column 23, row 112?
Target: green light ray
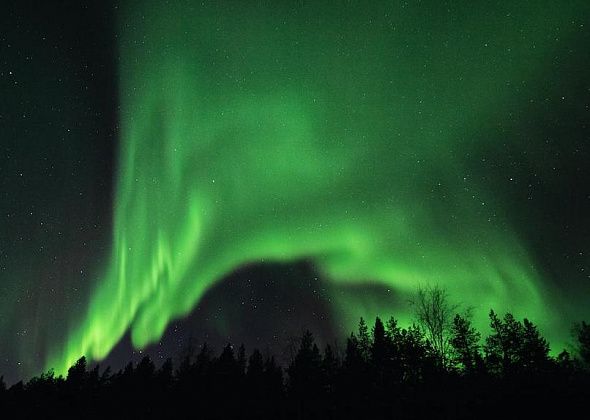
column 275, row 132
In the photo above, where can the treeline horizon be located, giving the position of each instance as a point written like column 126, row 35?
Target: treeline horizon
column 439, row 367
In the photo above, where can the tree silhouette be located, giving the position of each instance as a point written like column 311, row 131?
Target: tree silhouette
column 255, row 370
column 273, row 374
column 380, row 344
column 242, row 360
column 502, row 347
column 274, row 388
column 364, row 340
column 77, row 373
column 330, row 366
column 417, row 356
column 145, row 370
column 515, row 347
column 582, row 332
column 534, row 354
column 227, row 364
column 464, row 341
column 305, row 377
column 400, row 377
column 256, row 384
column 203, row 360
column 303, row 371
column 353, row 359
column 395, row 357
column 76, row 382
column 165, row 375
column 565, row 363
column 434, row 314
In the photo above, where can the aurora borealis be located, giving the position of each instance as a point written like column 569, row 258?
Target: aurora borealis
column 392, row 145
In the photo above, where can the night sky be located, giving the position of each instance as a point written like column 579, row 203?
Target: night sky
column 175, row 172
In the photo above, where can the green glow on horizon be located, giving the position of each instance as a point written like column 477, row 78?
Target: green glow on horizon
column 257, row 133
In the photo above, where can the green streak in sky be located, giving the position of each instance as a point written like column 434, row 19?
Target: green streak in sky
column 342, row 133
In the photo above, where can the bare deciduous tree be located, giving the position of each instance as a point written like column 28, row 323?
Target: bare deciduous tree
column 434, row 313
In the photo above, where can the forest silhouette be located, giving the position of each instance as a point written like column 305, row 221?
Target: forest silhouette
column 442, row 369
